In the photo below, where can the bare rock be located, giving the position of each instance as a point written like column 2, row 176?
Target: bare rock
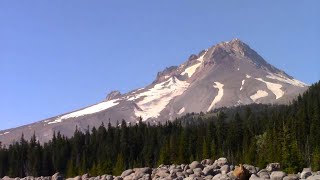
column 57, row 176
column 278, row 175
column 195, row 164
column 273, row 167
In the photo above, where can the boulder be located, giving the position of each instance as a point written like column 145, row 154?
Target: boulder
column 263, row 173
column 251, row 168
column 221, row 161
column 141, row 172
column 225, row 169
column 208, row 171
column 273, row 167
column 241, row 173
column 189, row 171
column 7, row 178
column 306, row 173
column 217, row 177
column 75, row 178
column 278, row 175
column 109, row 177
column 57, row 176
column 195, row 164
column 126, row 173
column 207, row 162
column 85, row 177
column 162, row 173
column 291, row 177
column 255, row 177
column 315, row 177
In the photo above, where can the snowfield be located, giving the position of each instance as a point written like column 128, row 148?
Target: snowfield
column 259, row 94
column 275, row 88
column 286, row 80
column 219, row 96
column 157, row 98
column 181, row 110
column 242, row 83
column 89, row 110
column 192, row 69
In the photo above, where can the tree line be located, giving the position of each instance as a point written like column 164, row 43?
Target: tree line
column 254, row 134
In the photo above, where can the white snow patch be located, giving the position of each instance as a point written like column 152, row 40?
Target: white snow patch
column 5, row 133
column 158, row 97
column 89, row 110
column 286, row 80
column 181, row 110
column 219, row 96
column 248, row 76
column 242, row 83
column 131, row 98
column 259, row 94
column 192, row 69
column 275, row 88
column 238, row 69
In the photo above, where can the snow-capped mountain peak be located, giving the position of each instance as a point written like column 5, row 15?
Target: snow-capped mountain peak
column 227, row 74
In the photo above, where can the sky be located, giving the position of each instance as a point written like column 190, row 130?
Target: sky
column 58, row 56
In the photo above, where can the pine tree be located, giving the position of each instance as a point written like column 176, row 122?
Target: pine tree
column 119, row 166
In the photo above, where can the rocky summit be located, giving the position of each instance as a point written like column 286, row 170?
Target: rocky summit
column 224, row 75
column 207, row 169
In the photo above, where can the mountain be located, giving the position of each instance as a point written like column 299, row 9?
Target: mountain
column 224, row 75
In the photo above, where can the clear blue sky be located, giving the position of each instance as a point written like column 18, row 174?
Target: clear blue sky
column 57, row 56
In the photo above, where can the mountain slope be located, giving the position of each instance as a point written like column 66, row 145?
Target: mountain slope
column 227, row 74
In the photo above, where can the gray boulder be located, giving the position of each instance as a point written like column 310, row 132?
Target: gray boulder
column 7, row 178
column 195, row 164
column 141, row 172
column 57, row 176
column 221, row 161
column 273, row 167
column 251, row 168
column 127, row 173
column 207, row 162
column 208, row 171
column 85, row 176
column 225, row 169
column 291, row 177
column 263, row 173
column 315, row 177
column 306, row 173
column 278, row 175
column 109, row 177
column 255, row 177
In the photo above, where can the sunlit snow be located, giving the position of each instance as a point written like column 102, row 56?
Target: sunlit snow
column 242, row 83
column 5, row 133
column 275, row 88
column 219, row 96
column 181, row 110
column 259, row 94
column 286, row 80
column 192, row 69
column 89, row 110
column 158, row 97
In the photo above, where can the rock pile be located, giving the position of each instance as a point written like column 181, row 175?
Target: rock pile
column 207, row 169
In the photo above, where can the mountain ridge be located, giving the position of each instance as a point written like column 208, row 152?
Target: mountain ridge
column 227, row 74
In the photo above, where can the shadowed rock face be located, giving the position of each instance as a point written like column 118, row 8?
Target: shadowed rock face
column 227, row 74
